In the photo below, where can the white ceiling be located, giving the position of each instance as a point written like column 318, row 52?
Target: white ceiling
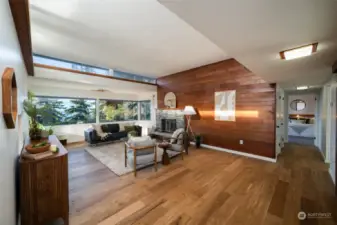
column 254, row 32
column 137, row 36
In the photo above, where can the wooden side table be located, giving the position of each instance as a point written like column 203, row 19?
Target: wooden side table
column 165, row 157
column 44, row 187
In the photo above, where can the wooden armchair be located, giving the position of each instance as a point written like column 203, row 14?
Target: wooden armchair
column 135, row 152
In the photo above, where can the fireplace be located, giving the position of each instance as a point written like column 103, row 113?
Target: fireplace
column 168, row 125
column 169, row 120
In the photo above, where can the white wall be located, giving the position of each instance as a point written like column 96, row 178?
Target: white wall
column 10, row 140
column 309, row 99
column 75, row 132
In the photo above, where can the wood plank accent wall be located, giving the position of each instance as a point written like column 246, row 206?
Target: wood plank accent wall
column 255, row 105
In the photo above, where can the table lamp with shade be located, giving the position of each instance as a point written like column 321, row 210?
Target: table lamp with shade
column 188, row 112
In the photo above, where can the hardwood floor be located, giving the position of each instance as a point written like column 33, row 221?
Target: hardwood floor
column 207, row 187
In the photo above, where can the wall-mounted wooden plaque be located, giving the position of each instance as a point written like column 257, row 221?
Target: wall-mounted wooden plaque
column 9, row 98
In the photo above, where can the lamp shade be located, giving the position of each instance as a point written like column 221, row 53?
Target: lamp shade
column 189, row 110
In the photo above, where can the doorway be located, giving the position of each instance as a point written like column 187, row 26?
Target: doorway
column 302, row 118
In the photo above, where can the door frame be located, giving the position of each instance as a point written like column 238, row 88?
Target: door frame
column 331, row 133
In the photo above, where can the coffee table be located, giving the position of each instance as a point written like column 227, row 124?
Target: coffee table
column 165, row 157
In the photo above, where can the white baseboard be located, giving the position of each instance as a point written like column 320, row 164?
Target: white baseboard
column 237, row 153
column 324, row 158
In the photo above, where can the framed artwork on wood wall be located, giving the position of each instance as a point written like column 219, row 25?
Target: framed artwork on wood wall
column 225, row 105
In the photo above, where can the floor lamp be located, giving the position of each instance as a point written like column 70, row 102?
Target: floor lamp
column 188, row 112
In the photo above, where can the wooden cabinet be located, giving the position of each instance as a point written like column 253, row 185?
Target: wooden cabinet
column 44, row 188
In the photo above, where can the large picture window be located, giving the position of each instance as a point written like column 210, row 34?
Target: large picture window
column 117, row 110
column 145, row 110
column 60, row 111
column 63, row 111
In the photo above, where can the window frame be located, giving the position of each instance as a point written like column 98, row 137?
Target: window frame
column 140, row 108
column 69, row 98
column 73, row 65
column 97, row 109
column 117, row 100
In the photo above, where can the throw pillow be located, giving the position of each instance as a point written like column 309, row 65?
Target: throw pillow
column 138, row 139
column 121, row 127
column 132, row 133
column 105, row 128
column 175, row 135
column 180, row 140
column 129, row 128
column 102, row 135
column 98, row 128
column 142, row 142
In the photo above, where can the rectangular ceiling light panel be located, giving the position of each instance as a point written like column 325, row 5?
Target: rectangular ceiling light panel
column 302, row 87
column 299, row 52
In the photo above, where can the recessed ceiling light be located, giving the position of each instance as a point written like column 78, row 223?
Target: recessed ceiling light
column 299, row 52
column 302, row 87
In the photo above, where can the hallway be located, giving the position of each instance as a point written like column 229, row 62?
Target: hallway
column 301, row 140
column 309, row 178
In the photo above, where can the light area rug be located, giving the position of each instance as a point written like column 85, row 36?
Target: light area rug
column 112, row 156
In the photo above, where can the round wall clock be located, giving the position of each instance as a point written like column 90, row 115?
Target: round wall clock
column 9, row 98
column 170, row 100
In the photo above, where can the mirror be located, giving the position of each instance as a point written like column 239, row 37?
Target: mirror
column 170, row 100
column 297, row 105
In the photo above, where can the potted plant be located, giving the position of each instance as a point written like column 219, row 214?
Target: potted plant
column 33, row 111
column 50, row 130
column 46, row 131
column 197, row 140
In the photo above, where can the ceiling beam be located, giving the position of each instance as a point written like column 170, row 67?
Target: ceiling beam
column 334, row 67
column 20, row 13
